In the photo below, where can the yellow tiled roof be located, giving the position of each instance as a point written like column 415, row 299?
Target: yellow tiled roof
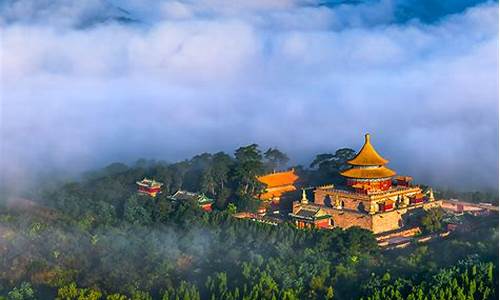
column 276, row 192
column 367, row 156
column 371, row 173
column 278, row 179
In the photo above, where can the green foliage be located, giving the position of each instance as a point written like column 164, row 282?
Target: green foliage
column 136, row 212
column 275, row 159
column 98, row 239
column 185, row 291
column 329, row 165
column 116, row 297
column 231, row 208
column 248, row 166
column 452, row 283
column 72, row 292
column 23, row 292
column 249, row 203
column 141, row 295
column 432, row 220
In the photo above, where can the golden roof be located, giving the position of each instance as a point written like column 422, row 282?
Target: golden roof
column 278, row 179
column 368, row 173
column 367, row 156
column 276, row 192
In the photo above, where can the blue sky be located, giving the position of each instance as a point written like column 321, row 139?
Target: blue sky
column 85, row 83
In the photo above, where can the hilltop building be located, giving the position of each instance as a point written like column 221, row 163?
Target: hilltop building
column 374, row 198
column 277, row 183
column 201, row 200
column 149, row 187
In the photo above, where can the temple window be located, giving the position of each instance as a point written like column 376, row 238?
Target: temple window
column 361, row 207
column 328, row 201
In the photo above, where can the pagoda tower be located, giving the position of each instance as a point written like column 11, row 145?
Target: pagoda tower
column 370, row 201
column 368, row 173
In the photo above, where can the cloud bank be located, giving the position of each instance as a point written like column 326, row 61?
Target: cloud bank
column 84, row 83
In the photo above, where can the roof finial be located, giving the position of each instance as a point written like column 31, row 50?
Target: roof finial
column 367, row 156
column 304, row 197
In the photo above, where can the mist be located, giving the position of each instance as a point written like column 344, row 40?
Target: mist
column 87, row 83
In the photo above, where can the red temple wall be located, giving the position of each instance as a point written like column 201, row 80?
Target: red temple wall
column 385, row 206
column 378, row 185
column 416, row 200
column 149, row 190
column 322, row 223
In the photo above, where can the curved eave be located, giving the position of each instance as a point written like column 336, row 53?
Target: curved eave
column 276, row 192
column 376, row 173
column 278, row 179
column 363, row 161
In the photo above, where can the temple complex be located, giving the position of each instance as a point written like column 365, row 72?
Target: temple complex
column 201, row 200
column 149, row 187
column 276, row 184
column 373, row 198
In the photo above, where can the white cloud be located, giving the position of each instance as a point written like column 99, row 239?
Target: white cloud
column 203, row 76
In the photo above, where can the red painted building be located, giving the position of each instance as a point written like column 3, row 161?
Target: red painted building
column 149, row 187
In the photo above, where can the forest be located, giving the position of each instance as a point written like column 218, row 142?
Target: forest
column 96, row 238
